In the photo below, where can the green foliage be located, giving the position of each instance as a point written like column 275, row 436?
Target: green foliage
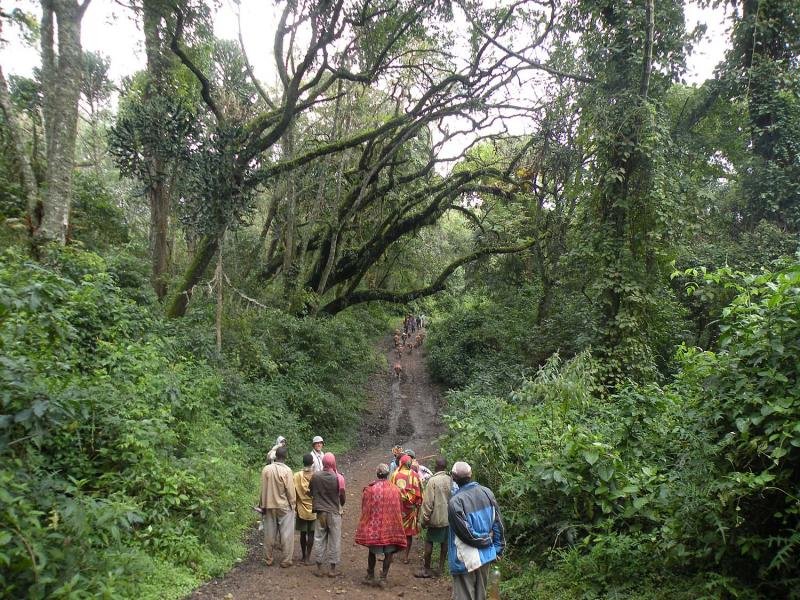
column 96, row 87
column 699, row 477
column 284, row 373
column 110, row 449
column 95, row 218
column 219, row 195
column 146, row 131
column 480, row 340
column 765, row 84
column 128, row 463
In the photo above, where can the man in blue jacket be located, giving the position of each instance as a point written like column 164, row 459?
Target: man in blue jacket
column 477, row 537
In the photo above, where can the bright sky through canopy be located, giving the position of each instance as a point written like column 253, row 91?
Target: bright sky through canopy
column 112, row 30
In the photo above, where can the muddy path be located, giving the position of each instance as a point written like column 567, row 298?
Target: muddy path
column 404, row 411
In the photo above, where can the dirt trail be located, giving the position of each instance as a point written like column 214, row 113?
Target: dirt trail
column 402, row 412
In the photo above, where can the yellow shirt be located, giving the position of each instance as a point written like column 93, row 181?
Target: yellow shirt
column 302, row 483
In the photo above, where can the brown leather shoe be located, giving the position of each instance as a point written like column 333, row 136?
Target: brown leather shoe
column 286, row 563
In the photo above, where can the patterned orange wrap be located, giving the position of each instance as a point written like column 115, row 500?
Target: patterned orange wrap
column 381, row 522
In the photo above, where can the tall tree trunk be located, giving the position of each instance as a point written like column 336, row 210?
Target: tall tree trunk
column 262, row 238
column 333, row 246
column 158, row 192
column 206, row 249
column 159, row 198
column 289, row 269
column 29, row 183
column 61, row 78
column 545, row 301
column 624, row 202
column 218, row 277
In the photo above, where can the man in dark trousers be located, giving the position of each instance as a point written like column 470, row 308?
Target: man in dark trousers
column 476, row 538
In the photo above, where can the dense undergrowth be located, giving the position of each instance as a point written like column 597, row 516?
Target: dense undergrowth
column 687, row 489
column 129, row 450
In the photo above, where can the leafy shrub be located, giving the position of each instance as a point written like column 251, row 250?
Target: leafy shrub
column 481, row 340
column 696, row 479
column 95, row 218
column 129, row 450
column 110, row 452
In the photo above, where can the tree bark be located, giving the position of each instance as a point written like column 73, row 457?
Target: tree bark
column 159, row 201
column 262, row 238
column 205, row 252
column 647, row 62
column 289, row 231
column 218, row 278
column 61, row 78
column 28, row 179
column 158, row 192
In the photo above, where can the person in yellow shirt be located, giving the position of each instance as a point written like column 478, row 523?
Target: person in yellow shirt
column 304, row 523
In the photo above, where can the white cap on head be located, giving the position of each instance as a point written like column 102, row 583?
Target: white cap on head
column 317, row 439
column 461, row 469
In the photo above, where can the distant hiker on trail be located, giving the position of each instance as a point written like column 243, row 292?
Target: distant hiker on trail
column 411, row 495
column 476, row 537
column 398, row 369
column 380, row 527
column 280, row 442
column 277, row 504
column 419, row 321
column 424, row 472
column 434, row 517
column 328, row 496
column 304, row 523
column 421, row 470
column 397, row 452
column 316, row 452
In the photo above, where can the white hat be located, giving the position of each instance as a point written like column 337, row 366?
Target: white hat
column 461, row 469
column 317, row 438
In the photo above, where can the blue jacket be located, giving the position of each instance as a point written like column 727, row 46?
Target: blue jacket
column 474, row 516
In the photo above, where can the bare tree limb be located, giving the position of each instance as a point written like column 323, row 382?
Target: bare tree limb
column 205, row 85
column 261, row 92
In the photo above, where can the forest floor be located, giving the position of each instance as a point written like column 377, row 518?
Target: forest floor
column 405, row 412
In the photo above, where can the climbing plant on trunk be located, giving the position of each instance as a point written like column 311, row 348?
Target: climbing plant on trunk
column 636, row 52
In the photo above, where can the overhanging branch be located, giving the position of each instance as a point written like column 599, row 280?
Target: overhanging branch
column 361, row 296
column 205, row 86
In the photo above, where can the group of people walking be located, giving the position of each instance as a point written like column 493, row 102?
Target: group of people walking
column 412, row 323
column 309, row 501
column 457, row 514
